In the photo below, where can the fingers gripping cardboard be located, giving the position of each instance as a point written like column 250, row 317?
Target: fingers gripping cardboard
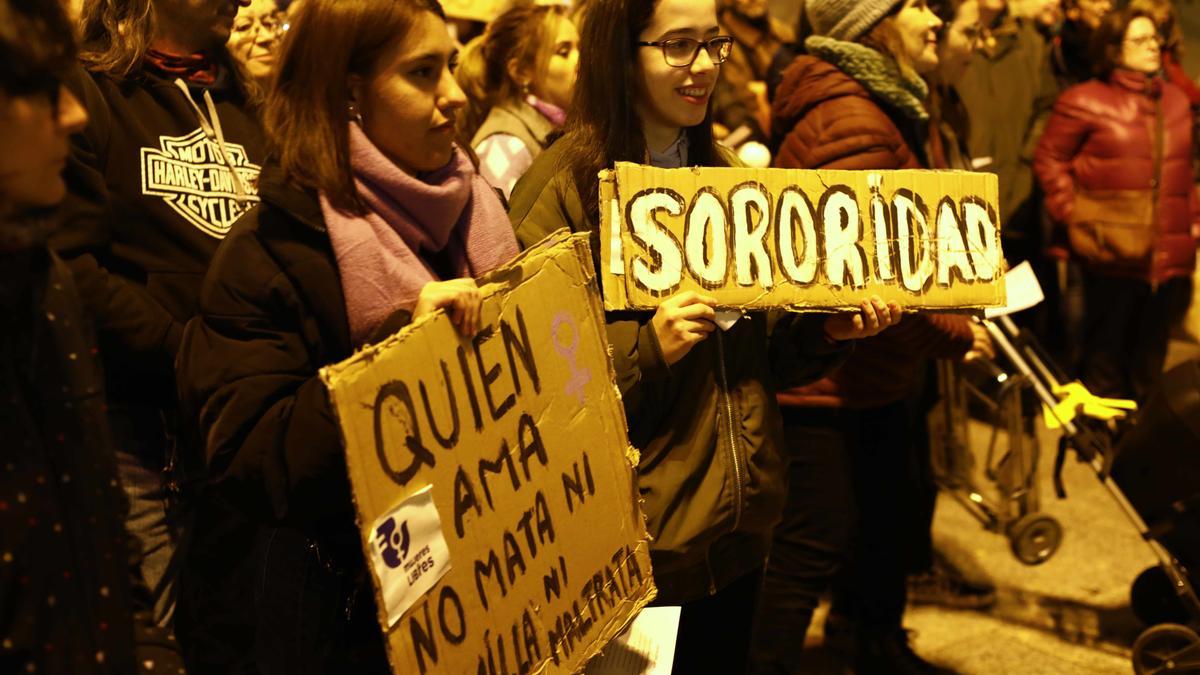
column 494, row 480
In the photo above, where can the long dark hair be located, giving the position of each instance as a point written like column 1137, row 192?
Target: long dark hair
column 116, row 34
column 306, row 114
column 603, row 126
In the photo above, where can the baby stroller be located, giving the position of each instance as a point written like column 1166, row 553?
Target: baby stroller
column 1150, row 466
column 1156, row 479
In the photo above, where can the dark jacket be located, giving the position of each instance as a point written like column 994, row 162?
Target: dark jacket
column 150, row 199
column 1070, row 56
column 271, row 313
column 735, row 103
column 832, row 121
column 1101, row 137
column 65, row 578
column 707, row 427
column 1008, row 90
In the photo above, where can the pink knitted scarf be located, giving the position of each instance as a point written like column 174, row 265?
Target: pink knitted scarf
column 382, row 255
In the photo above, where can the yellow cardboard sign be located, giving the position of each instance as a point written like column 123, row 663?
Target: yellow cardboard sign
column 494, row 480
column 796, row 239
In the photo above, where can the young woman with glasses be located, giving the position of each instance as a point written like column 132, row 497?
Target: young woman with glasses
column 700, row 400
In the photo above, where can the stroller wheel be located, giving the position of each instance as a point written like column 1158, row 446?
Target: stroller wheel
column 1034, row 538
column 1153, row 598
column 1166, row 648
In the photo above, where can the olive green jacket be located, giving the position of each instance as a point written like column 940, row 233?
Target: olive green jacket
column 711, row 474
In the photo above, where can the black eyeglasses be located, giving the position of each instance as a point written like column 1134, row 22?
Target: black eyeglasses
column 1147, row 41
column 273, row 23
column 682, row 52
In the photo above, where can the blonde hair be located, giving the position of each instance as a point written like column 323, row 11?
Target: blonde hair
column 525, row 34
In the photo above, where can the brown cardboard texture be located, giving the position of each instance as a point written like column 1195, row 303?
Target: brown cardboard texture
column 795, row 239
column 494, row 480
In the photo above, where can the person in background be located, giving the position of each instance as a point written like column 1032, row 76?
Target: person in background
column 1045, row 15
column 72, row 599
column 371, row 216
column 1008, row 90
column 519, row 76
column 962, row 34
column 699, row 400
column 255, row 38
column 1167, row 18
column 1071, row 50
column 166, row 100
column 860, row 494
column 1115, row 163
column 740, row 106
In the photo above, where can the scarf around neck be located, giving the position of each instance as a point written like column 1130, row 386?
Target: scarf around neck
column 878, row 74
column 382, row 256
column 198, row 69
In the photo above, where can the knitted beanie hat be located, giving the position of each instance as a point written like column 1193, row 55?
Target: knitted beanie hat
column 846, row 19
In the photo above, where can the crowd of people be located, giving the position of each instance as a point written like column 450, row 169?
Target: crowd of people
column 204, row 202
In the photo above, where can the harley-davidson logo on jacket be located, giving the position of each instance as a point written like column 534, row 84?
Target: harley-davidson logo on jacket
column 190, row 174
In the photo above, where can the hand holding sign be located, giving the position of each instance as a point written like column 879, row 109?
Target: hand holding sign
column 872, row 318
column 981, row 345
column 681, row 322
column 459, row 297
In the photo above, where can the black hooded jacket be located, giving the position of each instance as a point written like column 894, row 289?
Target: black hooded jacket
column 151, row 196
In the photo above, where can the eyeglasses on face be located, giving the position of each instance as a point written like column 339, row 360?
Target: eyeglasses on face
column 1146, row 41
column 682, row 52
column 274, row 23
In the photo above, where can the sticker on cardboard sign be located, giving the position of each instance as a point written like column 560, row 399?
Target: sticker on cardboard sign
column 408, row 552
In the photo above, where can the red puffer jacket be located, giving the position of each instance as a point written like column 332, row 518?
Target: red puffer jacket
column 1100, row 137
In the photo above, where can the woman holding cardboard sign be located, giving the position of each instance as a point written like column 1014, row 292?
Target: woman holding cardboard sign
column 1115, row 162
column 860, row 498
column 700, row 400
column 369, row 217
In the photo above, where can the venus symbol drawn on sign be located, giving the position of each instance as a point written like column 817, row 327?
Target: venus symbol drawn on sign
column 580, row 377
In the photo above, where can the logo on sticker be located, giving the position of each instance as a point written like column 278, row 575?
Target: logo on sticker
column 190, row 174
column 409, row 553
column 393, row 545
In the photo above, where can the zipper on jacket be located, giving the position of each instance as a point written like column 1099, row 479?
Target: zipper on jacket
column 727, row 404
column 1159, row 150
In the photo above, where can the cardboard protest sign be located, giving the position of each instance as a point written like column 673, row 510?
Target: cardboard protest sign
column 494, row 480
column 786, row 238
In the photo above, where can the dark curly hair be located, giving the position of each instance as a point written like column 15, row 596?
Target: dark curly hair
column 1109, row 37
